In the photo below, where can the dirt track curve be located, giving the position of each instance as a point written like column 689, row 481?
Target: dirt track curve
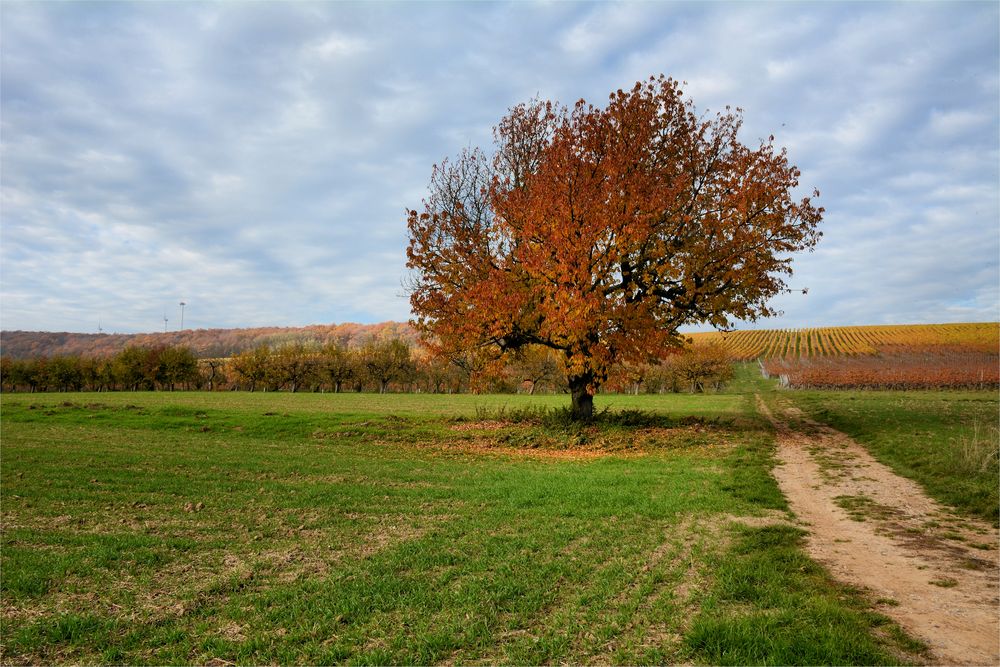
column 933, row 572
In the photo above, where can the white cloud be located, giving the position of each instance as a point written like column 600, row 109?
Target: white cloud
column 787, row 68
column 606, row 28
column 863, row 125
column 335, row 45
column 946, row 124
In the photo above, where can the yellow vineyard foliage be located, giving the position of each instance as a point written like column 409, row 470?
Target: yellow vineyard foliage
column 854, row 341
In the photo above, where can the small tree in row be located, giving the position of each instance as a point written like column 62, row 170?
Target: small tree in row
column 298, row 365
column 132, row 369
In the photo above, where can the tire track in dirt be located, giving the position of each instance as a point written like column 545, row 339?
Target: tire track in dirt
column 874, row 529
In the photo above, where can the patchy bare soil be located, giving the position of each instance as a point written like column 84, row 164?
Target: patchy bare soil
column 522, row 440
column 932, row 571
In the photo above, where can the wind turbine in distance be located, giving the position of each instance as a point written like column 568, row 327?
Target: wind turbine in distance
column 182, row 314
column 164, row 323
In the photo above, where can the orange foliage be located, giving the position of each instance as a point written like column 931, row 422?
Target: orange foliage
column 597, row 232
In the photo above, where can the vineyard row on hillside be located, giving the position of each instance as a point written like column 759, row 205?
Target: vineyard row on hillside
column 840, row 342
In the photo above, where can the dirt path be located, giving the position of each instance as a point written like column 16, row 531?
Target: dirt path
column 932, row 571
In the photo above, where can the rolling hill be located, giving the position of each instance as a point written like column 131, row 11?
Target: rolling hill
column 742, row 344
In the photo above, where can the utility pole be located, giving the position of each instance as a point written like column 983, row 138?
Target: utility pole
column 182, row 314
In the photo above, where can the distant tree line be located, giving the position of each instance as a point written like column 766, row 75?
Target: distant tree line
column 377, row 366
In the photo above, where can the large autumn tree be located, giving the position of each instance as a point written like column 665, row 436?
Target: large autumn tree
column 597, row 232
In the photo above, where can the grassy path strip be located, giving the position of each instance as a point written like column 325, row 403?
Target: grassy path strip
column 936, row 572
column 948, row 441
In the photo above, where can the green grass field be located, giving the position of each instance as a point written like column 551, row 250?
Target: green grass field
column 361, row 529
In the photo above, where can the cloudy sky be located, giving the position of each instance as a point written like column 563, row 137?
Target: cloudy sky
column 255, row 160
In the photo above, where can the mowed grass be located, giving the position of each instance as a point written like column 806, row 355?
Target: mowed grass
column 399, row 529
column 948, row 441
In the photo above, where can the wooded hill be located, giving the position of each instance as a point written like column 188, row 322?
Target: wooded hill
column 205, row 343
column 742, row 345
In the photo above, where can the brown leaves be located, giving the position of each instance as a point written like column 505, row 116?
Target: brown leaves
column 598, row 232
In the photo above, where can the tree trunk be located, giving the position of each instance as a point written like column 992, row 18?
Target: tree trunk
column 583, row 399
